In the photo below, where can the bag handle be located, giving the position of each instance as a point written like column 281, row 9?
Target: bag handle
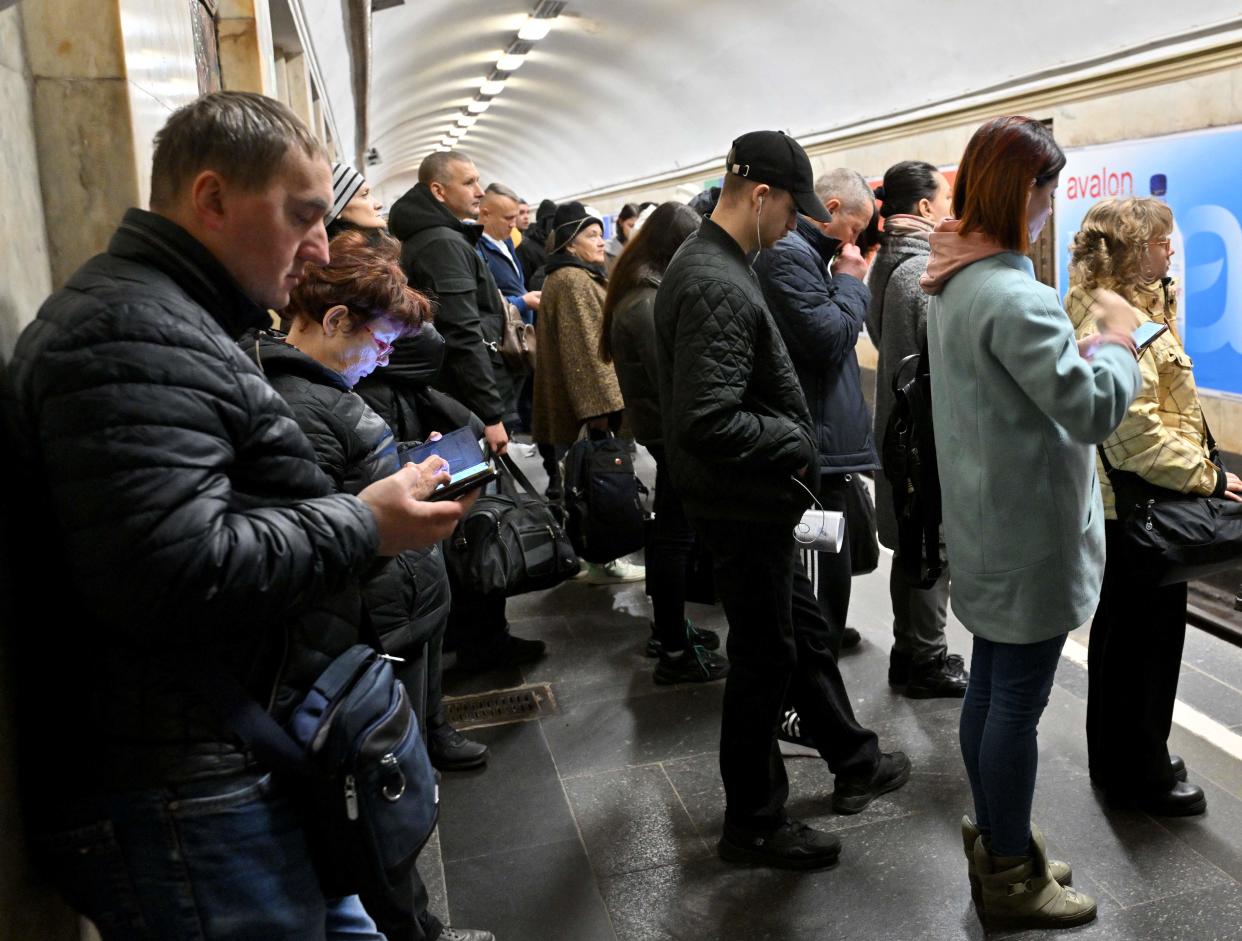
column 511, row 468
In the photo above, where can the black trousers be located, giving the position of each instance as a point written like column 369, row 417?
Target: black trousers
column 1134, row 659
column 667, row 555
column 779, row 641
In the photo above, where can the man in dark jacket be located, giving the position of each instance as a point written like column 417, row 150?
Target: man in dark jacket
column 533, row 251
column 176, row 509
column 438, row 255
column 497, row 213
column 812, row 281
column 740, row 445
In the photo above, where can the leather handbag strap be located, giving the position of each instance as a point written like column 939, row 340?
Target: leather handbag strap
column 511, row 468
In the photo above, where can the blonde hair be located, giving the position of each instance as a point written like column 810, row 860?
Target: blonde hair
column 1108, row 250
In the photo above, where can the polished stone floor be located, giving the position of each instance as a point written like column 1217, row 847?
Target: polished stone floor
column 599, row 821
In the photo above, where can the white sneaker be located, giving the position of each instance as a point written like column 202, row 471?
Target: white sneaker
column 614, row 573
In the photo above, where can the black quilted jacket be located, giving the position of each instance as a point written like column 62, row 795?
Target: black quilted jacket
column 820, row 317
column 356, row 448
column 736, row 426
column 176, row 512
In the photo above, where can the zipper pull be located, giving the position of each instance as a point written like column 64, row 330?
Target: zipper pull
column 351, row 797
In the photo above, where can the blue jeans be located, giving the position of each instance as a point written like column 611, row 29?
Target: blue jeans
column 220, row 859
column 1007, row 693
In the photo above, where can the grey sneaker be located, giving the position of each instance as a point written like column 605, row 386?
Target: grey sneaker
column 614, row 573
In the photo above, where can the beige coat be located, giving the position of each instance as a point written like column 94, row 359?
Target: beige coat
column 572, row 383
column 1162, row 437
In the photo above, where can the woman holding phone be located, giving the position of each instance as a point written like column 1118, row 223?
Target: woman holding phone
column 344, row 318
column 1135, row 651
column 1018, row 407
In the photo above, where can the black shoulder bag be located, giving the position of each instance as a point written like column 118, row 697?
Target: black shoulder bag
column 909, row 461
column 1176, row 537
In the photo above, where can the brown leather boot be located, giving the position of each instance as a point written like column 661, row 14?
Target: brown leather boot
column 1019, row 892
column 970, row 833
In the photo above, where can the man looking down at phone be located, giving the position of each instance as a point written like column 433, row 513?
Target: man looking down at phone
column 344, row 318
column 741, row 448
column 1119, row 262
column 178, row 510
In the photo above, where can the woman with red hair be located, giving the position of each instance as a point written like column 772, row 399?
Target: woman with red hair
column 1018, row 407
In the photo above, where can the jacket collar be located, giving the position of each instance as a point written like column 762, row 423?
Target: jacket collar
column 824, row 246
column 558, row 260
column 275, row 355
column 713, row 233
column 154, row 240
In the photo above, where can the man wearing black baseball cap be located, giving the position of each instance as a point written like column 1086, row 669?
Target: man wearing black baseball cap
column 741, row 448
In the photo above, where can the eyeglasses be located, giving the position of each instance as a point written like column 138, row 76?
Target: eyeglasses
column 383, row 345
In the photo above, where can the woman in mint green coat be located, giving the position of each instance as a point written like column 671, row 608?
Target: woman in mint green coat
column 1019, row 406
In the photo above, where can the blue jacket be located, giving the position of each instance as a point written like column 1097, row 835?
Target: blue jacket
column 1018, row 413
column 507, row 274
column 819, row 317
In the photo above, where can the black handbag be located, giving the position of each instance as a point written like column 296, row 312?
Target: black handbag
column 1175, row 537
column 603, row 499
column 511, row 541
column 860, row 521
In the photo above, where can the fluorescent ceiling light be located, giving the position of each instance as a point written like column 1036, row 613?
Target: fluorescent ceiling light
column 466, row 120
column 510, row 62
column 478, row 107
column 457, row 131
column 448, row 142
column 535, row 29
column 491, row 88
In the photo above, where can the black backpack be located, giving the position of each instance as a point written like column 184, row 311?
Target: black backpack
column 603, row 499
column 909, row 459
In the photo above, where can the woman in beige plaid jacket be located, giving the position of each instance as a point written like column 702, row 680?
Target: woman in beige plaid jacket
column 1137, row 634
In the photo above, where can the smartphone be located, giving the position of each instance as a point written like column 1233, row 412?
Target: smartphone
column 1146, row 333
column 468, row 466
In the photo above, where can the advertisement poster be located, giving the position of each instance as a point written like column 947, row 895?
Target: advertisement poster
column 1197, row 175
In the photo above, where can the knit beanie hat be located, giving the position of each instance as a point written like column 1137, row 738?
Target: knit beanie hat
column 346, row 181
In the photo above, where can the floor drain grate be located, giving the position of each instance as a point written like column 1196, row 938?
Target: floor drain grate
column 500, row 707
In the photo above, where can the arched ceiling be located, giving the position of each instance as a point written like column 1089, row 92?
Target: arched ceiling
column 623, row 90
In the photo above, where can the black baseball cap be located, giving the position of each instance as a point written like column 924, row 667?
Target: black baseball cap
column 774, row 158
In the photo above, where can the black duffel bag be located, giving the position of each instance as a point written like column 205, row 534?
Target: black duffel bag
column 511, row 541
column 1176, row 537
column 603, row 499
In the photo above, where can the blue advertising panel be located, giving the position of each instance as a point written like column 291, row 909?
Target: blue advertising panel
column 1198, row 175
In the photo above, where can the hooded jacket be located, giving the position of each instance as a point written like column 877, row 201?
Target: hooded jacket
column 820, row 316
column 402, row 395
column 439, row 258
column 177, row 510
column 736, row 426
column 355, row 448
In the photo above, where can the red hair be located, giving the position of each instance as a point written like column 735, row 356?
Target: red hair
column 994, row 178
column 364, row 276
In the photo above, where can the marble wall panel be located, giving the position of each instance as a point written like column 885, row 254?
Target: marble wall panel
column 247, row 58
column 73, row 39
column 12, row 55
column 87, row 165
column 23, row 251
column 297, row 75
column 159, row 49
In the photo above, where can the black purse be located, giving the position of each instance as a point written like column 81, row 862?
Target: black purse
column 1176, row 537
column 860, row 521
column 511, row 541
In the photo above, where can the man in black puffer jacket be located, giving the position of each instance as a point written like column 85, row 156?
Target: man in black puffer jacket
column 175, row 508
column 820, row 312
column 739, row 442
column 438, row 255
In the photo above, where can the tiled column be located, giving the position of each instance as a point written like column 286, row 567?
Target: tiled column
column 247, row 60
